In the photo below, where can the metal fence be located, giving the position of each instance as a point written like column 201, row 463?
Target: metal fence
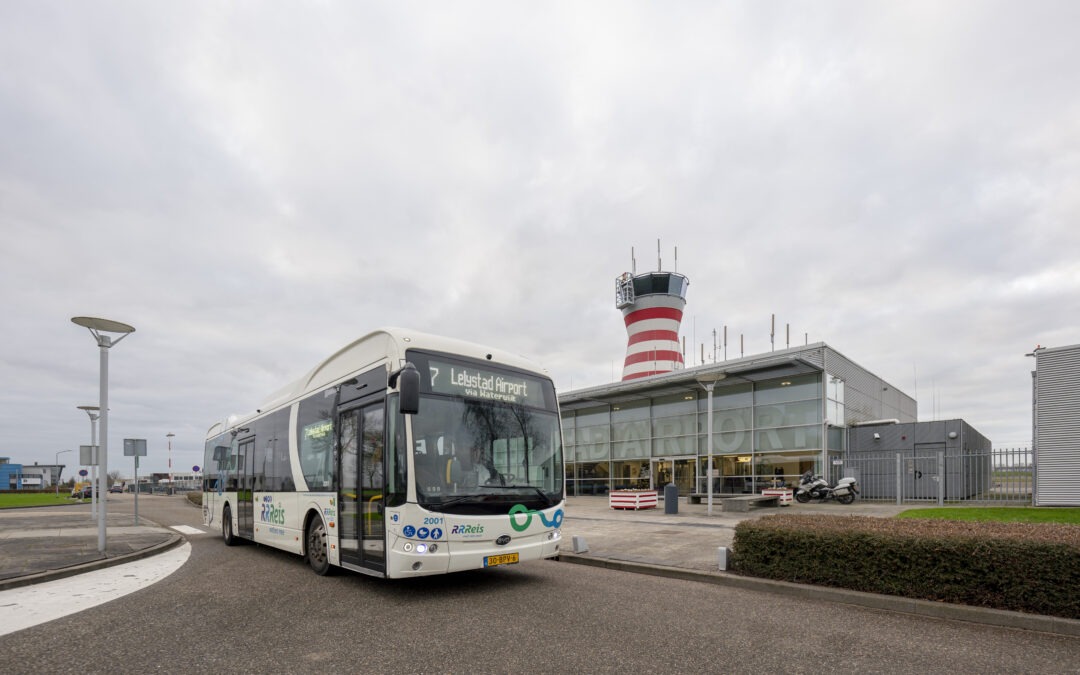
column 1000, row 475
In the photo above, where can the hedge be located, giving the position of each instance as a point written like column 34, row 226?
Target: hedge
column 1024, row 567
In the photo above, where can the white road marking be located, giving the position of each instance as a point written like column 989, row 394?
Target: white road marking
column 31, row 605
column 187, row 529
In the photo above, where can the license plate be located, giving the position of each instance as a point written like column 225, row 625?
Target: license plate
column 505, row 559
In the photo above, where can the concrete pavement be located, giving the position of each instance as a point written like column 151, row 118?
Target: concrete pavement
column 52, row 542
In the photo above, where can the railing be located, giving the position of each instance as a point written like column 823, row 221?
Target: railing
column 1000, row 475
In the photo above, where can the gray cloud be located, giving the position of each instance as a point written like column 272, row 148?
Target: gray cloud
column 253, row 187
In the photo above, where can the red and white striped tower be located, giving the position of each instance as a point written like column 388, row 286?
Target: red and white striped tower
column 652, row 306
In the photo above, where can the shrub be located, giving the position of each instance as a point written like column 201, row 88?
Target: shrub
column 1016, row 566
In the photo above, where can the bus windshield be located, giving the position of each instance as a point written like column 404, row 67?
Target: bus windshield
column 482, row 457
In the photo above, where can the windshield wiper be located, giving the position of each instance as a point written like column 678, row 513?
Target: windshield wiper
column 543, row 495
column 454, row 500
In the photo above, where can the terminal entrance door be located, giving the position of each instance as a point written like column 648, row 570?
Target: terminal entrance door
column 679, row 469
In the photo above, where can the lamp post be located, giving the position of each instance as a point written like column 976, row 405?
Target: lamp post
column 92, row 411
column 169, row 437
column 708, row 381
column 98, row 328
column 57, row 481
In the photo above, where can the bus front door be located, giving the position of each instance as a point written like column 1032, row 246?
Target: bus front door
column 360, row 496
column 245, row 499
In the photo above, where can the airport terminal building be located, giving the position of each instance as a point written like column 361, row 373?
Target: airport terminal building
column 774, row 416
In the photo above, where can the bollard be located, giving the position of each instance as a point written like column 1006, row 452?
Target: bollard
column 721, row 558
column 671, row 498
column 580, row 546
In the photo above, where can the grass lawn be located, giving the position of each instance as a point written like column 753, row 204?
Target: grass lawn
column 15, row 501
column 1005, row 514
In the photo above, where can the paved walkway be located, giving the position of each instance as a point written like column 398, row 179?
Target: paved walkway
column 688, row 539
column 45, row 543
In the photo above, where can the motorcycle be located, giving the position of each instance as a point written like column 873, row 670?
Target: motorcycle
column 816, row 487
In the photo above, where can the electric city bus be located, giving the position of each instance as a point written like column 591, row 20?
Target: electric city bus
column 403, row 454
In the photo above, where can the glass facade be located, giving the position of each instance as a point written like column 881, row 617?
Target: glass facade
column 765, row 434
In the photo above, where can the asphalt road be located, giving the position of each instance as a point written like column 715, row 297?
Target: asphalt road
column 250, row 609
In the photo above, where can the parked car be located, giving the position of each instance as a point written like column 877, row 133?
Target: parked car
column 85, row 492
column 117, row 488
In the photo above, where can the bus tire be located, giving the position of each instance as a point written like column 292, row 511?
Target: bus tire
column 315, row 547
column 226, row 527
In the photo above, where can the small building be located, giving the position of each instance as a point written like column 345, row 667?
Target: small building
column 41, row 475
column 10, row 475
column 774, row 416
column 1056, row 426
column 949, row 459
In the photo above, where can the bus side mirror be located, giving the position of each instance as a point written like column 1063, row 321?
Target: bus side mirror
column 408, row 380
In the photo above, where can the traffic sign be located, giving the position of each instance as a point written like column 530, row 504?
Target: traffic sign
column 134, row 447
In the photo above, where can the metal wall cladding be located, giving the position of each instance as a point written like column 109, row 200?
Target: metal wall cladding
column 1057, row 426
column 920, row 446
column 867, row 396
column 924, row 437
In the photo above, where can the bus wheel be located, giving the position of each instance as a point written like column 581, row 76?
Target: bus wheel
column 315, row 551
column 226, row 527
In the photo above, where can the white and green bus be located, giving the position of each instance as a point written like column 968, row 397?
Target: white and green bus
column 403, row 454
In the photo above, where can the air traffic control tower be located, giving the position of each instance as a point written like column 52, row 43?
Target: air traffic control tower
column 652, row 306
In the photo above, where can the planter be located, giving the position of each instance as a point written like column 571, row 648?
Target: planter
column 783, row 495
column 632, row 499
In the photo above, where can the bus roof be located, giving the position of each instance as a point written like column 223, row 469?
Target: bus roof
column 386, row 345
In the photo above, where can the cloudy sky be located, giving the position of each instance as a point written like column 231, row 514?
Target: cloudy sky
column 252, row 185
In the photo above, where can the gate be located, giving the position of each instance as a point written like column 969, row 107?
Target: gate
column 930, row 474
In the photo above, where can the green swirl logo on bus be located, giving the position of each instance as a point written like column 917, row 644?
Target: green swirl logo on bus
column 556, row 518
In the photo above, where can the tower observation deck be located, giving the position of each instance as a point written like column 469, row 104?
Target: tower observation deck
column 652, row 306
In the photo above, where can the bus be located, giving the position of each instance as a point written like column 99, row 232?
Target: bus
column 400, row 455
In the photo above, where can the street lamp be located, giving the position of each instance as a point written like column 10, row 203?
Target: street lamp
column 169, row 436
column 98, row 328
column 92, row 411
column 57, row 463
column 708, row 381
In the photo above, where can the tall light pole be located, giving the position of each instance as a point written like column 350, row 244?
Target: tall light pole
column 98, row 328
column 708, row 381
column 57, row 481
column 92, row 411
column 169, row 436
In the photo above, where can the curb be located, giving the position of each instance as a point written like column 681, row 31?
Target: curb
column 925, row 608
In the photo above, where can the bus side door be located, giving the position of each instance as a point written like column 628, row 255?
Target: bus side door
column 245, row 498
column 360, row 495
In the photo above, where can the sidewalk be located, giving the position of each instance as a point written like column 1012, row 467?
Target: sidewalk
column 686, row 540
column 46, row 543
column 684, row 546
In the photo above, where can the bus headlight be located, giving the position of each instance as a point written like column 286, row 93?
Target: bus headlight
column 421, row 548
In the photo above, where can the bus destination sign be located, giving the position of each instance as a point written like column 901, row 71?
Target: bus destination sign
column 491, row 385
